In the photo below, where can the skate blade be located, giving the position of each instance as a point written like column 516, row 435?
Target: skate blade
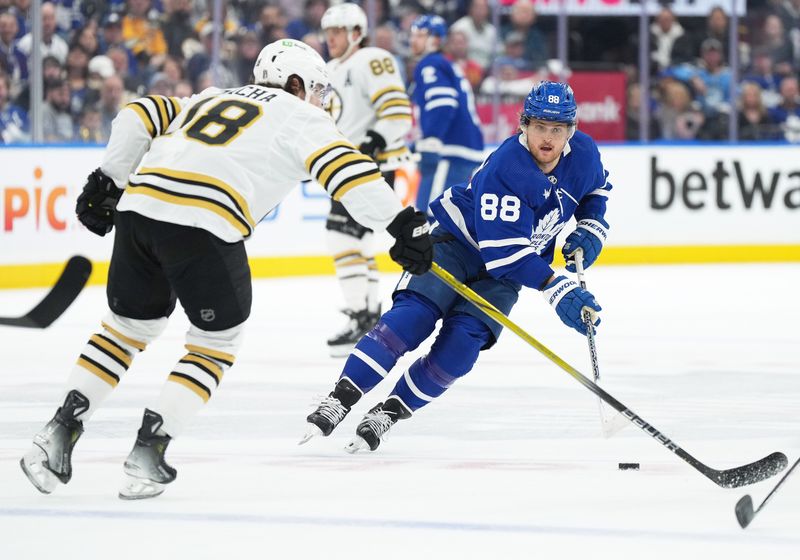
column 356, row 444
column 140, row 489
column 32, row 465
column 313, row 431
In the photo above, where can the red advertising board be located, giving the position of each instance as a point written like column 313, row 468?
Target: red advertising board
column 601, row 108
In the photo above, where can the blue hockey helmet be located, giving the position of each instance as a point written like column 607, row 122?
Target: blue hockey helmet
column 433, row 24
column 550, row 101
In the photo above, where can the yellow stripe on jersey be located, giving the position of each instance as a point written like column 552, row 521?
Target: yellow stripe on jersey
column 195, row 386
column 313, row 158
column 176, row 106
column 145, row 116
column 344, row 254
column 398, row 116
column 207, row 365
column 188, row 200
column 393, row 103
column 339, row 163
column 393, row 153
column 226, row 359
column 377, row 95
column 351, row 183
column 98, row 371
column 161, row 107
column 112, row 348
column 126, row 339
column 203, row 181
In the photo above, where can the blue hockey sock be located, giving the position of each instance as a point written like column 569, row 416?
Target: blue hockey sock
column 452, row 355
column 410, row 321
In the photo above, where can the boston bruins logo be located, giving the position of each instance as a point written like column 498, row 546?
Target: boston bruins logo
column 334, row 106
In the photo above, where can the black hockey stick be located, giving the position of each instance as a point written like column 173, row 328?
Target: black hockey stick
column 728, row 478
column 744, row 507
column 72, row 280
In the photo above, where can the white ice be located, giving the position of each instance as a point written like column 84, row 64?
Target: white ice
column 509, row 463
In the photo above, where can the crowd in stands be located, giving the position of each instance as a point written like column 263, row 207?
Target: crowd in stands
column 100, row 54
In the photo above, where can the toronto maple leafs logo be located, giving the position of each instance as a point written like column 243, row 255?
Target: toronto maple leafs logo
column 547, row 193
column 546, row 230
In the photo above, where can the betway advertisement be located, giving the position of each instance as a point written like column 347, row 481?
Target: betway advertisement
column 662, row 196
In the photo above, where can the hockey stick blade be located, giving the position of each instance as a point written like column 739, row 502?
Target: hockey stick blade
column 744, row 511
column 730, row 478
column 744, row 507
column 72, row 280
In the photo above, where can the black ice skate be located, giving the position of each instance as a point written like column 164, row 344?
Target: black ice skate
column 376, row 423
column 49, row 461
column 332, row 409
column 358, row 324
column 146, row 471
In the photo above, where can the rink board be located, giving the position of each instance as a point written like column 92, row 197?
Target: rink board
column 670, row 204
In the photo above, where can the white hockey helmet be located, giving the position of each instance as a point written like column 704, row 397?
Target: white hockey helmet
column 345, row 15
column 286, row 57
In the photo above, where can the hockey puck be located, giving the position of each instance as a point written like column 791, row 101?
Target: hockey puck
column 629, row 466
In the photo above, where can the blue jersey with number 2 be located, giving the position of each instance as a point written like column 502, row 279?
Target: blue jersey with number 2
column 511, row 212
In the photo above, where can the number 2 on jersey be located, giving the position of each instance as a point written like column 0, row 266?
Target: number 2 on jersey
column 223, row 122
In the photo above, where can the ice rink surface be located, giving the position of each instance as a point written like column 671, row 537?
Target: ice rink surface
column 509, row 463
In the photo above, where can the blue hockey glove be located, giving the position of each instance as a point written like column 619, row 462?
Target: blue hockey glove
column 588, row 236
column 569, row 300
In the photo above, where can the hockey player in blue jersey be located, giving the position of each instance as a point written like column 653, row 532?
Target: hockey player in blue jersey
column 451, row 146
column 496, row 234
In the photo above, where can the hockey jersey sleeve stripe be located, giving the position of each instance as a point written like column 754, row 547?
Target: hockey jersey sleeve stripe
column 206, row 181
column 393, row 103
column 192, row 200
column 161, row 110
column 497, row 263
column 223, row 357
column 176, row 106
column 354, row 181
column 314, row 158
column 487, row 243
column 393, row 153
column 145, row 116
column 192, row 384
column 441, row 102
column 446, row 91
column 338, row 164
column 391, row 89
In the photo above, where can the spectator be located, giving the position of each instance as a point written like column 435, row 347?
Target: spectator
column 13, row 61
column 513, row 57
column 231, row 24
column 248, row 50
column 51, row 70
column 121, row 62
column 201, row 63
column 271, row 24
column 456, row 50
column 112, row 37
column 86, row 37
column 177, row 26
column 160, row 84
column 89, row 126
column 13, row 119
column 77, row 74
column 21, row 10
column 761, row 73
column 790, row 102
column 480, row 33
column 777, row 42
column 142, row 32
column 183, row 89
column 713, row 79
column 678, row 117
column 754, row 120
column 309, row 22
column 52, row 44
column 687, row 47
column 523, row 21
column 633, row 115
column 100, row 67
column 664, row 31
column 111, row 97
column 57, row 124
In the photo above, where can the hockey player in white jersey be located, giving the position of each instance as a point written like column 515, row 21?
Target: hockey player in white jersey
column 184, row 182
column 370, row 106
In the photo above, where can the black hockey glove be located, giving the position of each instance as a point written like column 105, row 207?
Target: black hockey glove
column 413, row 248
column 373, row 144
column 97, row 202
